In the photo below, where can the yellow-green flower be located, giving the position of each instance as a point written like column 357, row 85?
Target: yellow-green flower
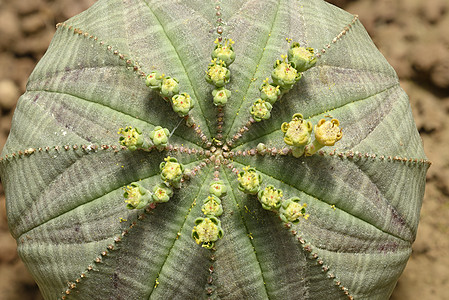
column 249, row 180
column 327, row 133
column 291, row 210
column 217, row 73
column 284, row 74
column 159, row 137
column 217, row 188
column 182, row 104
column 154, row 80
column 162, row 193
column 136, row 196
column 302, row 58
column 212, row 206
column 169, row 87
column 270, row 198
column 261, row 110
column 207, row 231
column 131, row 137
column 297, row 131
column 171, row 171
column 224, row 51
column 221, row 96
column 269, row 92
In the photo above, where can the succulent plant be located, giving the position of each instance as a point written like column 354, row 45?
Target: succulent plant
column 220, row 201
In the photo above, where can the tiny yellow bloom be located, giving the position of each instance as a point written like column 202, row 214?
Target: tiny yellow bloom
column 328, row 132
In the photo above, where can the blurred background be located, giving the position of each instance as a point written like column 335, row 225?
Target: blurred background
column 411, row 34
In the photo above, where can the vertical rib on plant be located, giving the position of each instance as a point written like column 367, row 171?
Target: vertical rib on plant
column 298, row 184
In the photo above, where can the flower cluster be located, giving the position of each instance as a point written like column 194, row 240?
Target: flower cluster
column 286, row 72
column 297, row 133
column 168, row 89
column 271, row 198
column 133, row 139
column 137, row 197
column 218, row 73
column 208, row 229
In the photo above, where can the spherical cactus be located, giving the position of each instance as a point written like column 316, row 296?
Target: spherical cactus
column 220, row 200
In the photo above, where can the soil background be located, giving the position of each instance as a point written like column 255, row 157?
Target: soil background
column 411, row 34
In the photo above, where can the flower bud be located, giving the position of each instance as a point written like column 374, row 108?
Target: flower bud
column 182, row 104
column 302, row 58
column 162, row 193
column 217, row 188
column 159, row 137
column 154, row 80
column 261, row 110
column 221, row 96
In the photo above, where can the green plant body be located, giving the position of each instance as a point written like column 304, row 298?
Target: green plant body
column 214, row 150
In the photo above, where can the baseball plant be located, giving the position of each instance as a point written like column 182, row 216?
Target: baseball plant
column 217, row 150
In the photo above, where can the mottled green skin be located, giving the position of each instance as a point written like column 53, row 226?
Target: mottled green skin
column 65, row 207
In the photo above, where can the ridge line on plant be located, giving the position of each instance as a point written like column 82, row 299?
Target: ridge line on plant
column 194, row 171
column 182, row 64
column 94, row 148
column 115, row 246
column 251, row 121
column 320, row 200
column 350, row 154
column 220, row 114
column 91, row 200
column 228, row 133
column 338, row 37
column 323, row 113
column 176, row 238
column 118, row 239
column 131, row 63
column 247, row 231
column 103, row 105
column 308, row 248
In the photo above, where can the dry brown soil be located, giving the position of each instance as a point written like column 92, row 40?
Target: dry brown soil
column 412, row 35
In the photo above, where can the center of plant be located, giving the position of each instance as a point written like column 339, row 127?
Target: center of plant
column 218, row 153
